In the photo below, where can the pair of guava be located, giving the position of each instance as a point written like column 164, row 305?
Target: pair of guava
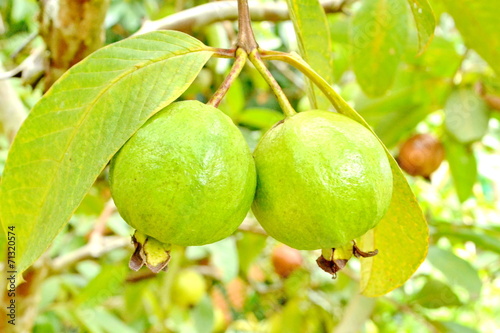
column 316, row 180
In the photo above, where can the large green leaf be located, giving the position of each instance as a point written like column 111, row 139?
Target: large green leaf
column 425, row 21
column 82, row 121
column 313, row 35
column 379, row 33
column 477, row 21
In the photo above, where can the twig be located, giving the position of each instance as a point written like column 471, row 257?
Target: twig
column 239, row 63
column 100, row 225
column 200, row 16
column 90, row 250
column 24, row 44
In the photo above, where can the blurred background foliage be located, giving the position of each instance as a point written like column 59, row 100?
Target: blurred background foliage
column 442, row 103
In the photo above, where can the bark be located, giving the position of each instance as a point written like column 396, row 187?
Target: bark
column 72, row 29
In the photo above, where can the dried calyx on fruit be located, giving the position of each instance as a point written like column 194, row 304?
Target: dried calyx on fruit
column 186, row 177
column 323, row 180
column 421, row 155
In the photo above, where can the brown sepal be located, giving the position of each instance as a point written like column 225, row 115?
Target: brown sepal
column 331, row 266
column 358, row 253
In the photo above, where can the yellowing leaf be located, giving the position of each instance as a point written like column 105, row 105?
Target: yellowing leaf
column 401, row 238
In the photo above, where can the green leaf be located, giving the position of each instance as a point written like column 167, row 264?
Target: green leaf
column 313, row 35
column 103, row 286
column 82, row 121
column 234, row 100
column 110, row 323
column 463, row 167
column 250, row 246
column 379, row 33
column 425, row 21
column 203, row 316
column 224, row 256
column 260, row 118
column 467, row 116
column 478, row 24
column 456, row 270
column 483, row 238
column 452, row 327
column 435, row 294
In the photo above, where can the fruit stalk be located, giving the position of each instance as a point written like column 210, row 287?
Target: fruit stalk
column 246, row 39
column 239, row 63
column 285, row 105
column 304, row 67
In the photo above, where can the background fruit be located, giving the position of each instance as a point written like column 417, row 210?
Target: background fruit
column 188, row 288
column 421, row 155
column 186, row 177
column 237, row 293
column 285, row 260
column 322, row 180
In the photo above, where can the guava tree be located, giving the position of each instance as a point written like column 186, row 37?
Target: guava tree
column 182, row 175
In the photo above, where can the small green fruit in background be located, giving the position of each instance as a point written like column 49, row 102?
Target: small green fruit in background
column 188, row 288
column 187, row 177
column 322, row 180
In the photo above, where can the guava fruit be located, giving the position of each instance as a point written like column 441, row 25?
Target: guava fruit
column 322, row 181
column 188, row 288
column 285, row 260
column 187, row 177
column 421, row 155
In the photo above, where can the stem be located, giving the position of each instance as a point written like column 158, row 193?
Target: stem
column 246, row 39
column 239, row 63
column 337, row 101
column 280, row 95
column 222, row 53
column 302, row 66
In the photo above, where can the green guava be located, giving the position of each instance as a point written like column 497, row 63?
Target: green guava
column 188, row 288
column 322, row 180
column 187, row 177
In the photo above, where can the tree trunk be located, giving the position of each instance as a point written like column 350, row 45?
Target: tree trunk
column 72, row 29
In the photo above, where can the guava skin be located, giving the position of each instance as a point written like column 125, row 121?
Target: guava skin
column 187, row 177
column 322, row 180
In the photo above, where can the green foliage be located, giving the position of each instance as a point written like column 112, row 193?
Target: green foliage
column 425, row 21
column 467, row 116
column 477, row 22
column 379, row 33
column 313, row 35
column 77, row 127
column 406, row 81
column 463, row 167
